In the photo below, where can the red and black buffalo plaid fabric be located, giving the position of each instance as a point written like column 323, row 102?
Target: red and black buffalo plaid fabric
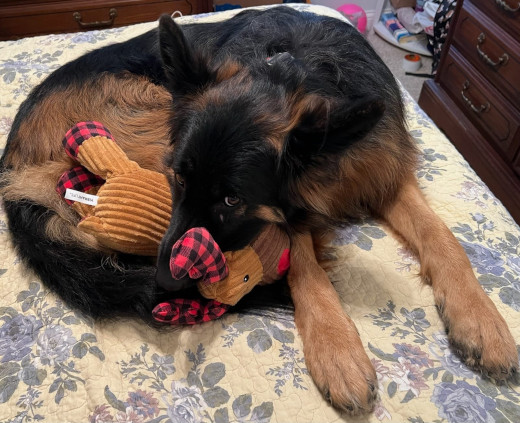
column 189, row 312
column 78, row 179
column 81, row 132
column 197, row 254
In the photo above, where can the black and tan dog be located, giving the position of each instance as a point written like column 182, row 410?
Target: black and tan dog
column 275, row 116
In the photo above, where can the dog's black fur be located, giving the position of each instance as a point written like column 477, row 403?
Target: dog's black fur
column 227, row 155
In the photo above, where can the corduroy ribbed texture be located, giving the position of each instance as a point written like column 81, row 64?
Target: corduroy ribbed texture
column 103, row 157
column 245, row 272
column 250, row 266
column 134, row 205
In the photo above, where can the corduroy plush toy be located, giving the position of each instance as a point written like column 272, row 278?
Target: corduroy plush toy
column 125, row 207
column 128, row 209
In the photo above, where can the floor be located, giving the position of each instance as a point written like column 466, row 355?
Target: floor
column 393, row 57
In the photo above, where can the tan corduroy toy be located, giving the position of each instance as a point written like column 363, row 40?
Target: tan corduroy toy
column 128, row 209
column 125, row 207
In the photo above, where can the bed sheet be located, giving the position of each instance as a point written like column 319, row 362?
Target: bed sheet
column 57, row 366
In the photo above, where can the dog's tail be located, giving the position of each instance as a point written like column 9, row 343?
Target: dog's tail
column 87, row 280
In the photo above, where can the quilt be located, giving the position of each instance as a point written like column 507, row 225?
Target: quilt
column 57, row 366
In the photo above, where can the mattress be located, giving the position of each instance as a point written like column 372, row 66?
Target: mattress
column 57, row 366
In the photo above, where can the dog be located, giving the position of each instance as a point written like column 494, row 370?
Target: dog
column 274, row 116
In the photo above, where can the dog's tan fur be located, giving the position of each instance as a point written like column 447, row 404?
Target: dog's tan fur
column 331, row 344
column 136, row 110
column 228, row 70
column 475, row 327
column 332, row 348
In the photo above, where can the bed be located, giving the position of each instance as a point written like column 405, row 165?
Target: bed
column 57, row 366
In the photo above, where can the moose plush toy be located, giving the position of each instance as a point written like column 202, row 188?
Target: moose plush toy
column 128, row 209
column 223, row 278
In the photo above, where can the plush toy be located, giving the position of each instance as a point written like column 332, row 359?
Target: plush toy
column 223, row 278
column 125, row 207
column 128, row 209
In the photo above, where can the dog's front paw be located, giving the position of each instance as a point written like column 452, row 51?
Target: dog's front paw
column 480, row 337
column 340, row 367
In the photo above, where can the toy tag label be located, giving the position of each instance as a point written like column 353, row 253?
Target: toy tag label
column 81, row 197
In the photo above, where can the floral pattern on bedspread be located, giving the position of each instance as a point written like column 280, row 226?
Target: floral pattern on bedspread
column 56, row 365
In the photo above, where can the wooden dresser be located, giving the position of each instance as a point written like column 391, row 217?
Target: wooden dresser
column 475, row 96
column 22, row 18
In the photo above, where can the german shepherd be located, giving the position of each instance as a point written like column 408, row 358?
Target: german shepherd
column 274, row 116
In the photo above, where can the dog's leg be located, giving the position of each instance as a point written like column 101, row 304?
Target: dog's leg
column 476, row 330
column 333, row 351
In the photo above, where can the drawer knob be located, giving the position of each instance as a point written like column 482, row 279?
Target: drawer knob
column 481, row 109
column 504, row 6
column 112, row 14
column 502, row 60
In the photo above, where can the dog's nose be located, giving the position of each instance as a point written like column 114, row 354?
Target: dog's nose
column 164, row 279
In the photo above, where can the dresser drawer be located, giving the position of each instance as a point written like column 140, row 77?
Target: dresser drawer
column 495, row 54
column 484, row 106
column 506, row 13
column 43, row 17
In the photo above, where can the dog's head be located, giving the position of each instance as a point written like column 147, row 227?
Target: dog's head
column 241, row 133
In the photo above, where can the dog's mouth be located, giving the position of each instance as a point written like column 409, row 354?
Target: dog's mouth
column 164, row 279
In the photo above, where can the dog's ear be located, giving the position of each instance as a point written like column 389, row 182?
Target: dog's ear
column 185, row 69
column 329, row 127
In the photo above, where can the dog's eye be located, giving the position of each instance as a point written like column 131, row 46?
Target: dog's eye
column 231, row 200
column 179, row 179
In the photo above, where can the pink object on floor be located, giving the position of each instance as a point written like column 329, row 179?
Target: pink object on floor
column 356, row 15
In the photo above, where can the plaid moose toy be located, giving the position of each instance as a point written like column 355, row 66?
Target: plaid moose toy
column 237, row 272
column 128, row 209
